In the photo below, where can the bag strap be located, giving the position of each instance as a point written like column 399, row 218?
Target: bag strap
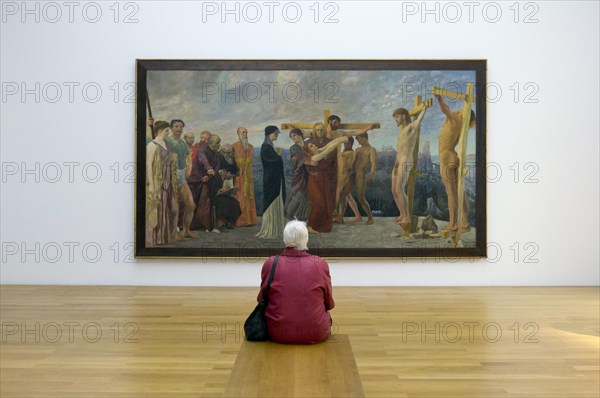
column 265, row 297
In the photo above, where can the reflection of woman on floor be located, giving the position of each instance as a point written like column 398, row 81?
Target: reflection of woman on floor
column 320, row 218
column 297, row 202
column 161, row 189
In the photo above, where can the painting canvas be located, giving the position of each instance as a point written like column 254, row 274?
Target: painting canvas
column 382, row 159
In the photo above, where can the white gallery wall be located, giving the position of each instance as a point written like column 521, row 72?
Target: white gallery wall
column 67, row 128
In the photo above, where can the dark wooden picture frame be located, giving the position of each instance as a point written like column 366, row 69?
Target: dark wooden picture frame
column 354, row 90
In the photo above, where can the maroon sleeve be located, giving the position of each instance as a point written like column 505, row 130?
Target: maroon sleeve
column 329, row 303
column 264, row 276
column 203, row 159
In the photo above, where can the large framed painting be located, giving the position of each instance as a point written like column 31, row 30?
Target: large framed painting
column 382, row 159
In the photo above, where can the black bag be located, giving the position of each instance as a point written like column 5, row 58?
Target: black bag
column 255, row 327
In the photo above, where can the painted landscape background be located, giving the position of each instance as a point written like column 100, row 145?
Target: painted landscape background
column 222, row 101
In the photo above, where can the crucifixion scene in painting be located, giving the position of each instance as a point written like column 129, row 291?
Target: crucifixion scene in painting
column 366, row 158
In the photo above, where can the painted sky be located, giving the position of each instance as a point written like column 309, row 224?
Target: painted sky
column 221, row 101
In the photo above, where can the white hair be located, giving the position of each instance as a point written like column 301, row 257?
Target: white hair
column 295, row 235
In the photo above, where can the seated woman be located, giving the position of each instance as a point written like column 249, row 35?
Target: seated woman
column 300, row 296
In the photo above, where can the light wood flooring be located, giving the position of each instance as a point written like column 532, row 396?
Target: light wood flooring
column 119, row 341
column 268, row 369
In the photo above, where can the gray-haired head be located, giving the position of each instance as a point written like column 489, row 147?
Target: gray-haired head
column 214, row 142
column 227, row 149
column 295, row 235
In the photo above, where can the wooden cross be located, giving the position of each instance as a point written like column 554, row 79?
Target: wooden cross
column 468, row 99
column 326, row 114
column 414, row 171
column 342, row 126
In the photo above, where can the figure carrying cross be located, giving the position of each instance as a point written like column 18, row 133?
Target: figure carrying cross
column 335, row 129
column 334, row 124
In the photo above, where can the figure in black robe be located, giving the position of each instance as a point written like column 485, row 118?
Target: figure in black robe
column 273, row 187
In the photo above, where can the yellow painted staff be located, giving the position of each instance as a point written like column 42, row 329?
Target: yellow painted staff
column 150, row 114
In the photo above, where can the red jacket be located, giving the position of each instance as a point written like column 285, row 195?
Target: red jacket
column 299, row 299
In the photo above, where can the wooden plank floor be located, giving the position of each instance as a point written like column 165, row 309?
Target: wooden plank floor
column 121, row 341
column 280, row 370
